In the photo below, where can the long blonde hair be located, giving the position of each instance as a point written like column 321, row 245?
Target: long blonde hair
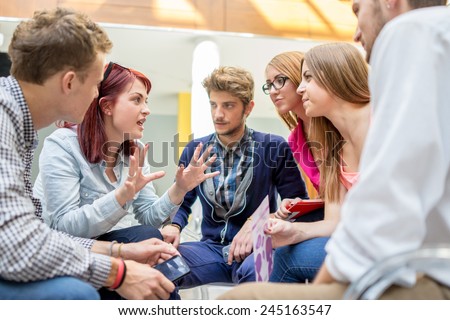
column 341, row 70
column 290, row 64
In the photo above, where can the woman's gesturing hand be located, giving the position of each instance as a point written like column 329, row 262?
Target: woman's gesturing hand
column 136, row 180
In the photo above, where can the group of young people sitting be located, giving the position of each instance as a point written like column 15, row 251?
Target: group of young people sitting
column 94, row 178
column 105, row 226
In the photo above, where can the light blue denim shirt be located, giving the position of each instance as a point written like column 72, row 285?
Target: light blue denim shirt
column 78, row 198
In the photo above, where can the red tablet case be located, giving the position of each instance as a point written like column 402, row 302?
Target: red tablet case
column 304, row 206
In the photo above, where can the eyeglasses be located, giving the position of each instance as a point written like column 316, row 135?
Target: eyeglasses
column 107, row 73
column 278, row 83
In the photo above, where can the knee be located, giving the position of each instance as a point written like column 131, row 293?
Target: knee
column 246, row 271
column 151, row 232
column 83, row 291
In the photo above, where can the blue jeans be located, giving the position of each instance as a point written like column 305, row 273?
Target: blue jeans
column 207, row 265
column 298, row 262
column 61, row 288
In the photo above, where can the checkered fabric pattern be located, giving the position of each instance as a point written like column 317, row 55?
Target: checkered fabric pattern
column 29, row 249
column 233, row 164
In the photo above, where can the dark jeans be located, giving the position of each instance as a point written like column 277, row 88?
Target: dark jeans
column 131, row 234
column 207, row 265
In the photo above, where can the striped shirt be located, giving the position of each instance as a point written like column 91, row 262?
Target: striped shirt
column 29, row 249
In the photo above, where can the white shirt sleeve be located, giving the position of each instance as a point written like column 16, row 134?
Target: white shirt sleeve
column 405, row 162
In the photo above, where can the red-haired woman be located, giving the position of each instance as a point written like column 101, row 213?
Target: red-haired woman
column 94, row 180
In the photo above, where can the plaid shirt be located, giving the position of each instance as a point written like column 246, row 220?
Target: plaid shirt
column 232, row 163
column 29, row 249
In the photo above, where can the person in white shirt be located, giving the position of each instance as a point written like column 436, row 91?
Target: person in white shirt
column 402, row 199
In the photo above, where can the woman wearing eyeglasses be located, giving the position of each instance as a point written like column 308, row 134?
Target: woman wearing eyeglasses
column 283, row 76
column 282, row 79
column 334, row 94
column 95, row 180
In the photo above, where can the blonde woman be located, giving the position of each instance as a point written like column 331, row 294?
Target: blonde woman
column 283, row 76
column 335, row 95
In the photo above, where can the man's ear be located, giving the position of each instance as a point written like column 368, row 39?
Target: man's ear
column 68, row 81
column 249, row 108
column 396, row 7
column 396, row 4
